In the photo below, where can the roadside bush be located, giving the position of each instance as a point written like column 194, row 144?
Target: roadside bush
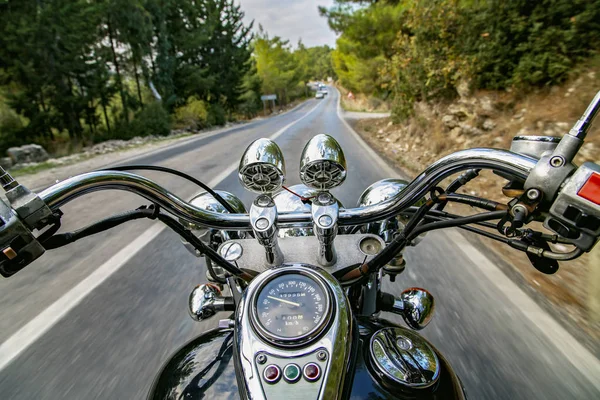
column 428, row 62
column 152, row 120
column 193, row 114
column 10, row 127
column 497, row 44
column 216, row 115
column 250, row 104
column 530, row 43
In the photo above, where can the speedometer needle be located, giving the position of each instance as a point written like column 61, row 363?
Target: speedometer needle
column 284, row 301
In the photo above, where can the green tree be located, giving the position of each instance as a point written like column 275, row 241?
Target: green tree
column 277, row 67
column 367, row 35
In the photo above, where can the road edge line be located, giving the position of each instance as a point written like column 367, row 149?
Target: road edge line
column 33, row 330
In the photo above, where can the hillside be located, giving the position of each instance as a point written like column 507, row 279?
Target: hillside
column 492, row 119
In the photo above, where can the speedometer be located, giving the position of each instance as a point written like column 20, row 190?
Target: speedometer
column 292, row 307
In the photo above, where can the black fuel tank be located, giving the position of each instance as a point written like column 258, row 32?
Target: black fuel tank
column 204, row 369
column 368, row 384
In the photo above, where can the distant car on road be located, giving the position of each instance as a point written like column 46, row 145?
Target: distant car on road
column 320, row 95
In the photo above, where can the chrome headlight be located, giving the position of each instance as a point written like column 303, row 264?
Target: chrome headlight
column 206, row 201
column 381, row 191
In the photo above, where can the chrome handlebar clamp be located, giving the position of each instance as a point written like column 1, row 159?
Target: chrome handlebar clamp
column 263, row 218
column 325, row 213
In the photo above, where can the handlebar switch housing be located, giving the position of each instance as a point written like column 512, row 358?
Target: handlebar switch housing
column 18, row 246
column 29, row 206
column 575, row 213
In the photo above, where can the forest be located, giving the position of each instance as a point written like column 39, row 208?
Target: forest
column 405, row 51
column 75, row 72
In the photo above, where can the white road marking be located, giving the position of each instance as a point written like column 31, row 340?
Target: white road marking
column 376, row 158
column 579, row 356
column 39, row 325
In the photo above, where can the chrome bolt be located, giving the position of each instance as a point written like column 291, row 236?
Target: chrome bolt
column 262, row 223
column 518, row 209
column 231, row 251
column 325, row 221
column 322, row 355
column 533, row 194
column 324, row 198
column 263, row 201
column 557, row 161
column 261, row 359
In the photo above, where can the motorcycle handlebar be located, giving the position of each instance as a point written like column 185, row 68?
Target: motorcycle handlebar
column 504, row 161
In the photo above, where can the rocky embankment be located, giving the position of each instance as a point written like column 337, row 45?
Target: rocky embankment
column 492, row 120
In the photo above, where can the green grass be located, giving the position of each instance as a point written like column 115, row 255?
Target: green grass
column 32, row 169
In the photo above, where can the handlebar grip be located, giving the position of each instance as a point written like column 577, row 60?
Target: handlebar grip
column 17, row 244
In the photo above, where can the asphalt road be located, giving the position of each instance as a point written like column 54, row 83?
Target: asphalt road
column 113, row 342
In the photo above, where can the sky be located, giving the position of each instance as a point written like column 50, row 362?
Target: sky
column 291, row 19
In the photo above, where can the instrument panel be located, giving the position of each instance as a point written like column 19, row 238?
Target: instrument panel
column 291, row 308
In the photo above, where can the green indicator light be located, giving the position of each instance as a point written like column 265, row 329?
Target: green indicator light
column 291, row 372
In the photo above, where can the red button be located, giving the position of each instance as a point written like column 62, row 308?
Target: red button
column 311, row 372
column 591, row 189
column 272, row 373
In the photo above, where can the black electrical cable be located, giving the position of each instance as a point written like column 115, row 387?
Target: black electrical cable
column 213, row 274
column 180, row 174
column 393, row 248
column 462, row 180
column 62, row 239
column 56, row 224
column 488, row 216
column 203, row 248
column 445, row 214
column 473, row 201
column 473, row 229
column 151, row 212
column 398, row 244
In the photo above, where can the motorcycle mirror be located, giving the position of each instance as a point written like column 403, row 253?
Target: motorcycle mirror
column 262, row 168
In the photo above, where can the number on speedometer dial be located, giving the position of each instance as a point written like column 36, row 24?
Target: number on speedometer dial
column 291, row 306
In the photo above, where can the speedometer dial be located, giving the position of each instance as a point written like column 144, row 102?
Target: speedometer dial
column 291, row 307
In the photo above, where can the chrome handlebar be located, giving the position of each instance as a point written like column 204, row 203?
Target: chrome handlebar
column 510, row 163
